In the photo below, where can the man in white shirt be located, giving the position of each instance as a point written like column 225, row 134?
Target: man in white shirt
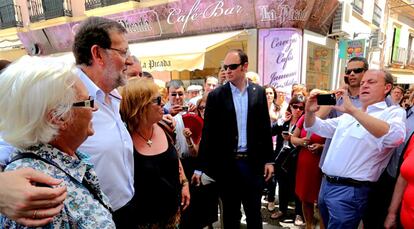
column 102, row 55
column 362, row 142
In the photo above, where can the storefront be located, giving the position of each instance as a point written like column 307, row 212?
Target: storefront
column 188, row 39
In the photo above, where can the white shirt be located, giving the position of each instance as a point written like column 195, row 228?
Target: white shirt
column 354, row 152
column 110, row 148
column 181, row 142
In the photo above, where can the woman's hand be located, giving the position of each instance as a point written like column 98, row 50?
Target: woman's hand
column 315, row 147
column 390, row 221
column 187, row 133
column 185, row 195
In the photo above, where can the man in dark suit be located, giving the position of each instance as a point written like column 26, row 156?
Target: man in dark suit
column 236, row 145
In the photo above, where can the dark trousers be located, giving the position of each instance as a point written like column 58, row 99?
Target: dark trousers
column 342, row 206
column 378, row 202
column 287, row 181
column 242, row 186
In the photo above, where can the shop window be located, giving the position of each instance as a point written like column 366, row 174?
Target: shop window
column 319, row 67
column 410, row 53
column 358, row 6
column 398, row 55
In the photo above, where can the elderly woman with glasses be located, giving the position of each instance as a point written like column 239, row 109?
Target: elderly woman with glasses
column 161, row 187
column 46, row 115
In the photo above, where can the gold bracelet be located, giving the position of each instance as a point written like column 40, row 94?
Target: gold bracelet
column 190, row 145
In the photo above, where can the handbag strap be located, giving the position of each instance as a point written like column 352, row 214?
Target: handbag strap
column 84, row 182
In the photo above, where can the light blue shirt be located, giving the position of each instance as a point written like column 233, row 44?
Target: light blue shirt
column 240, row 100
column 111, row 147
column 5, row 151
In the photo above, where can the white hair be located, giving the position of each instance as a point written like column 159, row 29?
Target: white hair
column 33, row 91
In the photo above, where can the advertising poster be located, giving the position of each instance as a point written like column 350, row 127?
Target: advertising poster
column 280, row 54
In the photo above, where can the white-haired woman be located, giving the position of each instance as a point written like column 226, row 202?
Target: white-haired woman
column 46, row 115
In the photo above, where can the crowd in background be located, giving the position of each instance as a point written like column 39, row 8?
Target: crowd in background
column 103, row 144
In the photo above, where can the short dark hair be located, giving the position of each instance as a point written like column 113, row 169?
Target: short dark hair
column 362, row 59
column 93, row 31
column 242, row 55
column 147, row 75
column 4, row 64
column 174, row 84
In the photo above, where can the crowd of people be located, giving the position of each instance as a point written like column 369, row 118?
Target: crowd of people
column 105, row 145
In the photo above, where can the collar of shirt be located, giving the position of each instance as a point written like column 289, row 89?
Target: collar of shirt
column 77, row 168
column 377, row 106
column 234, row 89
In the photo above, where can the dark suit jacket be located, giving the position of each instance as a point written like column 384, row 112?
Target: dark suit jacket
column 219, row 141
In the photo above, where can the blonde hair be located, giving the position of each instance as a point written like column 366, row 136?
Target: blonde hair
column 34, row 90
column 136, row 96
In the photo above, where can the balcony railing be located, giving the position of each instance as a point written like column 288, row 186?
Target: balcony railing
column 10, row 16
column 399, row 56
column 410, row 60
column 48, row 9
column 92, row 4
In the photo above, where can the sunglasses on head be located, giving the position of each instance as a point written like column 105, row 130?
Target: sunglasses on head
column 298, row 107
column 157, row 100
column 90, row 102
column 355, row 70
column 231, row 66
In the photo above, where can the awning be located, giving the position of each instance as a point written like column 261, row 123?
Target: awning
column 404, row 78
column 187, row 53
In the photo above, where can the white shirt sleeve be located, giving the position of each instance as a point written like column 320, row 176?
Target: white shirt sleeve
column 324, row 128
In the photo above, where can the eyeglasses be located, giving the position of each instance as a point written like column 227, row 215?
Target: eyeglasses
column 123, row 53
column 231, row 66
column 355, row 70
column 298, row 107
column 175, row 94
column 90, row 102
column 201, row 107
column 157, row 100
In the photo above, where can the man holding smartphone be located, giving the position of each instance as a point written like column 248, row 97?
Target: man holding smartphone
column 362, row 143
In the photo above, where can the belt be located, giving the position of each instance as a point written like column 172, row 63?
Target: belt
column 241, row 156
column 346, row 181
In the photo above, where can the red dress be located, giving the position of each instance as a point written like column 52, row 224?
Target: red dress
column 308, row 173
column 407, row 171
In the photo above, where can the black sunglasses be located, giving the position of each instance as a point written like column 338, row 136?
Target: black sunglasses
column 355, row 70
column 175, row 94
column 231, row 66
column 157, row 100
column 90, row 102
column 201, row 107
column 298, row 107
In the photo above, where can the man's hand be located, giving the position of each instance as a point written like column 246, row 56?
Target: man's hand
column 169, row 119
column 268, row 171
column 27, row 204
column 347, row 106
column 185, row 196
column 196, row 180
column 311, row 104
column 191, row 107
column 175, row 109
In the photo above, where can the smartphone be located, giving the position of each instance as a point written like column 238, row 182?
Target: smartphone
column 286, row 133
column 185, row 108
column 346, row 79
column 326, row 99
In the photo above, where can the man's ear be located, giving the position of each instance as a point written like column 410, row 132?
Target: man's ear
column 97, row 54
column 388, row 88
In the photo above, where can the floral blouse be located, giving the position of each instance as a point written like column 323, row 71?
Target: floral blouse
column 81, row 209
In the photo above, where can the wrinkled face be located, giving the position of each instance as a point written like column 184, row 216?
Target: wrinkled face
column 270, row 96
column 238, row 74
column 155, row 110
column 397, row 94
column 117, row 60
column 210, row 84
column 134, row 70
column 176, row 96
column 373, row 88
column 354, row 79
column 297, row 109
column 80, row 122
